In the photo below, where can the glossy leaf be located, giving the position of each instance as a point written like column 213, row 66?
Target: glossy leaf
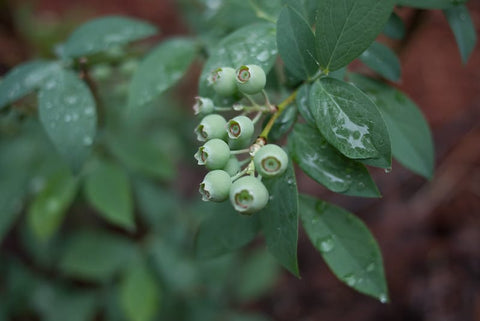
column 107, row 189
column 462, row 26
column 253, row 44
column 95, row 255
column 105, row 33
column 430, row 4
column 350, row 121
column 346, row 245
column 139, row 294
column 410, row 135
column 25, row 78
column 327, row 166
column 303, row 104
column 51, row 204
column 345, row 29
column 279, row 219
column 224, row 231
column 383, row 60
column 296, row 44
column 160, row 70
column 67, row 112
column 395, row 28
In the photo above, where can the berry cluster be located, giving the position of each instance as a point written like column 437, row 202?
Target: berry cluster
column 226, row 141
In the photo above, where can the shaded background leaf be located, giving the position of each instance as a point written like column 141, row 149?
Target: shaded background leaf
column 68, row 114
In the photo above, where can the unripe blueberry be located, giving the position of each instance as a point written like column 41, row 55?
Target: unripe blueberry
column 211, row 126
column 215, row 186
column 270, row 160
column 248, row 195
column 223, row 81
column 203, row 105
column 214, row 154
column 250, row 79
column 240, row 128
column 233, row 166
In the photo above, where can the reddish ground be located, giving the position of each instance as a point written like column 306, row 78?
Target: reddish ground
column 429, row 232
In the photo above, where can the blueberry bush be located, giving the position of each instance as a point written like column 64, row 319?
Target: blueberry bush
column 94, row 145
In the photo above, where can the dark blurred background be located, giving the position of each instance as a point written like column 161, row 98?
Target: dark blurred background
column 428, row 231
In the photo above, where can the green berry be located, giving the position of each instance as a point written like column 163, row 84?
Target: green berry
column 250, row 79
column 248, row 195
column 210, row 127
column 223, row 81
column 215, row 186
column 270, row 160
column 233, row 166
column 214, row 154
column 240, row 128
column 203, row 105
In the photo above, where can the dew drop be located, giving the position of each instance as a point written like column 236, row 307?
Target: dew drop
column 326, row 244
column 350, row 279
column 383, row 298
column 89, row 111
column 87, row 141
column 263, row 56
column 370, row 267
column 388, row 170
column 71, row 100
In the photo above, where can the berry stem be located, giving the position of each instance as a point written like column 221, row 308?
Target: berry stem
column 257, row 117
column 240, row 151
column 281, row 107
column 223, row 108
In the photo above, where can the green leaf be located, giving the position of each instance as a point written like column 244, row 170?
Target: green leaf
column 51, row 204
column 144, row 156
column 306, row 8
column 279, row 219
column 327, row 166
column 224, row 231
column 383, row 60
column 179, row 272
column 95, row 255
column 462, row 26
column 139, row 294
column 344, row 29
column 68, row 114
column 346, row 245
column 395, row 28
column 410, row 134
column 283, row 124
column 108, row 190
column 160, row 70
column 24, row 79
column 430, row 4
column 257, row 276
column 105, row 33
column 57, row 304
column 303, row 104
column 253, row 44
column 350, row 121
column 296, row 44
